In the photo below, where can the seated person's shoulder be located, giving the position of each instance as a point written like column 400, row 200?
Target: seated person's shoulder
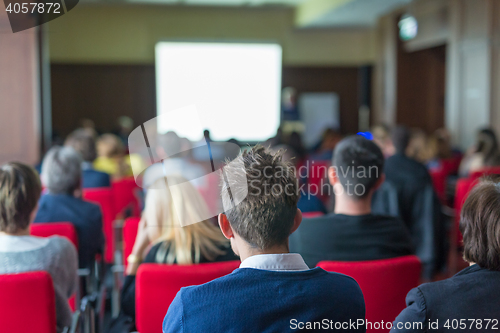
column 63, row 246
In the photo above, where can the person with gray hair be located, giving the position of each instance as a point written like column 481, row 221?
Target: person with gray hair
column 61, row 175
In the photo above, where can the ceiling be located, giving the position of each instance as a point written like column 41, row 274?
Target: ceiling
column 308, row 13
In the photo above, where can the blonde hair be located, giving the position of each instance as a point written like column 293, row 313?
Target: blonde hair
column 176, row 216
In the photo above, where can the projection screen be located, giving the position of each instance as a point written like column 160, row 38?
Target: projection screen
column 234, row 88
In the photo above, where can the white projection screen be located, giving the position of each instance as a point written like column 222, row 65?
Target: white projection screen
column 234, row 88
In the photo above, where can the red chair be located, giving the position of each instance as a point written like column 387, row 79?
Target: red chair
column 130, row 228
column 124, row 197
column 27, row 303
column 309, row 215
column 104, row 198
column 157, row 286
column 63, row 229
column 447, row 167
column 384, row 284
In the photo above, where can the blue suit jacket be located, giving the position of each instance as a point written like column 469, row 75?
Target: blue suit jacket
column 255, row 300
column 92, row 178
column 85, row 216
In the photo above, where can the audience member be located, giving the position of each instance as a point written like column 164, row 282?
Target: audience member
column 418, row 204
column 61, row 175
column 111, row 157
column 325, row 151
column 273, row 289
column 382, row 137
column 19, row 252
column 84, row 143
column 484, row 153
column 352, row 232
column 125, row 127
column 190, row 241
column 308, row 202
column 472, row 294
column 173, row 162
column 295, row 142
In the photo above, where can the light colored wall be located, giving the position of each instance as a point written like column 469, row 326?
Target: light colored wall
column 19, row 88
column 472, row 35
column 128, row 34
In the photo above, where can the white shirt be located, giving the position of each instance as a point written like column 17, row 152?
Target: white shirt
column 276, row 262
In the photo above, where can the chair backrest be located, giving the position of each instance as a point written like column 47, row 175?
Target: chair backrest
column 309, row 215
column 384, row 283
column 130, row 228
column 124, row 197
column 157, row 285
column 63, row 229
column 485, row 171
column 27, row 303
column 462, row 189
column 104, row 198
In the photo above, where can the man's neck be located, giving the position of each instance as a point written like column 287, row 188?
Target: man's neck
column 251, row 251
column 347, row 206
column 23, row 232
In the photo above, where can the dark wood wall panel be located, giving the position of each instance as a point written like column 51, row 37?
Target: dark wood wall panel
column 101, row 93
column 105, row 92
column 342, row 80
column 421, row 88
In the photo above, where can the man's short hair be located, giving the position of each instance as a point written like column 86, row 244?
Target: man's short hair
column 84, row 143
column 400, row 136
column 480, row 224
column 61, row 170
column 358, row 164
column 20, row 190
column 265, row 217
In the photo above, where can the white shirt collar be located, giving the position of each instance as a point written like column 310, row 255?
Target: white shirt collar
column 276, row 262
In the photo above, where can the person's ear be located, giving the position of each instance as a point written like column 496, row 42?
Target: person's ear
column 379, row 182
column 225, row 226
column 332, row 176
column 296, row 221
column 33, row 214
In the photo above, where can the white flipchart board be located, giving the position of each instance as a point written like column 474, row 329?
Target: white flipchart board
column 318, row 111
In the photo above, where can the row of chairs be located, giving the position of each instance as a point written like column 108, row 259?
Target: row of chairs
column 116, row 202
column 384, row 283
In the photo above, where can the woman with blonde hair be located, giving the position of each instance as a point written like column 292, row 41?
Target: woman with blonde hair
column 111, row 157
column 176, row 230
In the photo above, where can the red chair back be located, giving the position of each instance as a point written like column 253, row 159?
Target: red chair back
column 63, row 229
column 27, row 303
column 104, row 198
column 124, row 197
column 384, row 284
column 130, row 228
column 157, row 286
column 309, row 215
column 486, row 171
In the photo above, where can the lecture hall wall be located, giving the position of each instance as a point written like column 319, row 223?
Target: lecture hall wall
column 103, row 56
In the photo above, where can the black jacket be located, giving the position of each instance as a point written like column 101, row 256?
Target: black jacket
column 350, row 238
column 420, row 209
column 463, row 302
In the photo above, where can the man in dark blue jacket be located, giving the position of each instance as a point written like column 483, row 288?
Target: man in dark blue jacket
column 273, row 290
column 83, row 142
column 61, row 175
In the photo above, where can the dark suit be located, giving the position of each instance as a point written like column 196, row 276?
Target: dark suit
column 85, row 216
column 92, row 178
column 420, row 209
column 350, row 238
column 473, row 293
